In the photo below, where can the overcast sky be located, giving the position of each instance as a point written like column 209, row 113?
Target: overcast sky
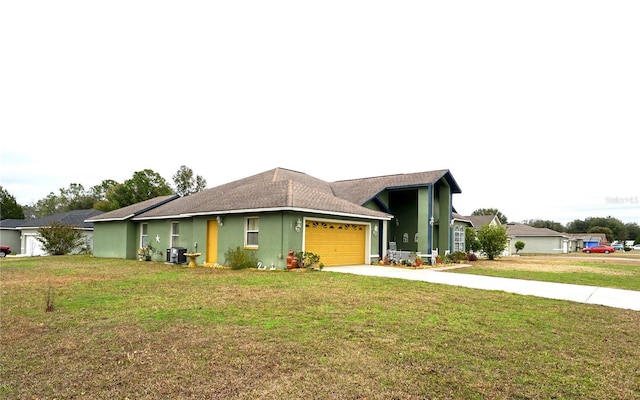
column 533, row 106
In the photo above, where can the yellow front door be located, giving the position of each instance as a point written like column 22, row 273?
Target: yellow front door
column 212, row 242
column 336, row 243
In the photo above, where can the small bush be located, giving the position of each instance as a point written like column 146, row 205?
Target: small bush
column 240, row 258
column 458, row 256
column 58, row 239
column 472, row 257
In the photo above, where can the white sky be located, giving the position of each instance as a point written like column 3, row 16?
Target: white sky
column 533, row 106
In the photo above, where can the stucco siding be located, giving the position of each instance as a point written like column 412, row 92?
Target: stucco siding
column 538, row 245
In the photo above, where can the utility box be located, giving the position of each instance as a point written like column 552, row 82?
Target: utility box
column 176, row 255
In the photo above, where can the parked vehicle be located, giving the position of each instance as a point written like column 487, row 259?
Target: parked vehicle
column 599, row 249
column 618, row 247
column 636, row 246
column 4, row 250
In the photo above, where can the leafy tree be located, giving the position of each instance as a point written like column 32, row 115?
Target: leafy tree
column 52, row 204
column 578, row 226
column 77, row 197
column 58, row 239
column 612, row 227
column 186, row 183
column 493, row 240
column 105, row 195
column 538, row 223
column 519, row 245
column 9, row 207
column 144, row 185
column 471, row 240
column 491, row 211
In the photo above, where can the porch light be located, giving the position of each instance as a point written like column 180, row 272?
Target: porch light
column 375, row 230
column 219, row 220
column 298, row 225
column 431, row 221
column 451, row 224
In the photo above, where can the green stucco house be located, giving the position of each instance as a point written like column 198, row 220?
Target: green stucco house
column 345, row 222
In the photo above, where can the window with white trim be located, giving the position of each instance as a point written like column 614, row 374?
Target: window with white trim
column 458, row 238
column 251, row 232
column 144, row 235
column 175, row 234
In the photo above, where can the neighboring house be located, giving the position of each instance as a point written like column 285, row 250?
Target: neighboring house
column 459, row 225
column 538, row 240
column 10, row 235
column 588, row 240
column 31, row 246
column 345, row 222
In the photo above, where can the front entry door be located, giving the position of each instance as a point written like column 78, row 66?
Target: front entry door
column 212, row 242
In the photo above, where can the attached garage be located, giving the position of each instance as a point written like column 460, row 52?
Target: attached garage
column 337, row 243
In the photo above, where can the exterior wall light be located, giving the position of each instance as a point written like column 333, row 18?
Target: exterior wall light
column 298, row 225
column 219, row 220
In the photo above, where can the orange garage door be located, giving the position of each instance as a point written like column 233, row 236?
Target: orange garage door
column 336, row 243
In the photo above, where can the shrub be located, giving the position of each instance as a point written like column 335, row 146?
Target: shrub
column 458, row 256
column 240, row 258
column 519, row 246
column 493, row 240
column 472, row 257
column 307, row 259
column 58, row 239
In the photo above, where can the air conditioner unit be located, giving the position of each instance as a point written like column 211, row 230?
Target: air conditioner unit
column 175, row 255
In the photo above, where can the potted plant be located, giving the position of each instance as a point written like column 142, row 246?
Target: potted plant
column 145, row 253
column 418, row 261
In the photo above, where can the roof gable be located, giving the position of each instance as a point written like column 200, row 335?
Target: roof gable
column 360, row 191
column 275, row 189
column 479, row 221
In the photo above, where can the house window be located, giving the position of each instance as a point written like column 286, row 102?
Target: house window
column 175, row 234
column 144, row 235
column 251, row 232
column 458, row 238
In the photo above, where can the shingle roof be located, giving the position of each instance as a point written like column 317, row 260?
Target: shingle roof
column 275, row 189
column 133, row 210
column 75, row 218
column 515, row 229
column 479, row 221
column 281, row 189
column 360, row 191
column 10, row 223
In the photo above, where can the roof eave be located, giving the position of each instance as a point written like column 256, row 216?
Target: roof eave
column 387, row 217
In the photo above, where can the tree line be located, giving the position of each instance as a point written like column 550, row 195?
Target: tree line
column 109, row 195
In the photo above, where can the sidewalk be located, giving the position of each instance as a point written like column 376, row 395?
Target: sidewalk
column 617, row 298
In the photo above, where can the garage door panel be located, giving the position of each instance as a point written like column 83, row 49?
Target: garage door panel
column 336, row 243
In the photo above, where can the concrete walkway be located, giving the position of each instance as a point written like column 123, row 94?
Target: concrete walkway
column 618, row 298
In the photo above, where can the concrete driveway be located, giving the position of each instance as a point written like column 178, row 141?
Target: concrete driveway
column 617, row 298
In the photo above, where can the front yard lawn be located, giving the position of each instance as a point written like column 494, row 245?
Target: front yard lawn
column 145, row 330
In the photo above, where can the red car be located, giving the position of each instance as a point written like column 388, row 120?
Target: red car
column 4, row 250
column 599, row 249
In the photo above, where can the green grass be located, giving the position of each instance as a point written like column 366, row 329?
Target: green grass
column 612, row 273
column 128, row 329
